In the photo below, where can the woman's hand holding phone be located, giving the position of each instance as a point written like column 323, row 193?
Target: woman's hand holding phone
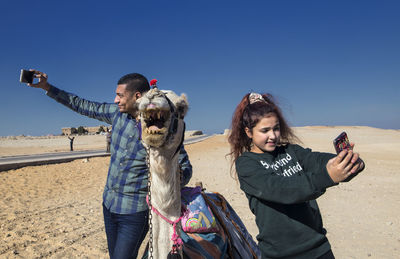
column 347, row 163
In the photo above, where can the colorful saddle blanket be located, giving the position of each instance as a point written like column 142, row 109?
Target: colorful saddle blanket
column 198, row 217
column 229, row 239
column 232, row 240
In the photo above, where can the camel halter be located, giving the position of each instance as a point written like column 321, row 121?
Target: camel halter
column 175, row 237
column 173, row 127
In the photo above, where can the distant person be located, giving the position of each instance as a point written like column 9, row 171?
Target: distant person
column 282, row 180
column 71, row 143
column 108, row 140
column 124, row 198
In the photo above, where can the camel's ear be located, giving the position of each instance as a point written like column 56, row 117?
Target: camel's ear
column 182, row 106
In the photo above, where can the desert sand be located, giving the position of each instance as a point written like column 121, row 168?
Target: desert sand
column 54, row 211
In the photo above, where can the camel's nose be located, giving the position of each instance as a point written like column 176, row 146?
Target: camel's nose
column 151, row 106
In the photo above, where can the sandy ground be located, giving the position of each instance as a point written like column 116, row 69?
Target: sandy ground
column 54, row 211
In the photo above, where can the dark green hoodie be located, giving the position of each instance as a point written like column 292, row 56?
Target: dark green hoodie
column 282, row 187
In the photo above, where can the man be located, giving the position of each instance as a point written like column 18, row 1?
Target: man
column 124, row 198
column 71, row 143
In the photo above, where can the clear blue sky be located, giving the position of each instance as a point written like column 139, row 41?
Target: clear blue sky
column 327, row 62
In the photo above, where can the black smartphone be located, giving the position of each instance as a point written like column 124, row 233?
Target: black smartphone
column 341, row 142
column 26, row 76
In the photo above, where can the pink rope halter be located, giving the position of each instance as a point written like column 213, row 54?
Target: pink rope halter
column 175, row 238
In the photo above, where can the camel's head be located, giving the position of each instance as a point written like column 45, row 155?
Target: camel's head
column 161, row 114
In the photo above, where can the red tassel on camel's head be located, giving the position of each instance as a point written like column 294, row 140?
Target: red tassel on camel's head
column 153, row 82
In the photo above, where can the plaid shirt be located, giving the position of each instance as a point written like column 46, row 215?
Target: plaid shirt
column 126, row 187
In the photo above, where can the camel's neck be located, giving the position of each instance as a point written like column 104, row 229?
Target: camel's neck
column 165, row 197
column 165, row 183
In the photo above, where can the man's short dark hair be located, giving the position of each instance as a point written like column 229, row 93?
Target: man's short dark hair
column 135, row 83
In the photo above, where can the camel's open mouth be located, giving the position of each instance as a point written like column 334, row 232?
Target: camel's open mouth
column 155, row 120
column 159, row 116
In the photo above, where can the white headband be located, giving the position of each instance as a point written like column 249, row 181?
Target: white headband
column 256, row 97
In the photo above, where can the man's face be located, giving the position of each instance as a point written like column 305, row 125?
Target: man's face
column 125, row 99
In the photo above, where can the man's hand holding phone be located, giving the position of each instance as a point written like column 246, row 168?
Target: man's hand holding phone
column 27, row 76
column 347, row 163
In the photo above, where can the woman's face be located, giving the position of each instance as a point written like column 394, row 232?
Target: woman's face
column 265, row 135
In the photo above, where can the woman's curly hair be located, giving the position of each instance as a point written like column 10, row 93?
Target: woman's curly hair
column 247, row 115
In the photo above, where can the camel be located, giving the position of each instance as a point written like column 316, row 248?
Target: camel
column 161, row 115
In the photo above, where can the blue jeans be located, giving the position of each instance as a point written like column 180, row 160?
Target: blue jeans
column 125, row 233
